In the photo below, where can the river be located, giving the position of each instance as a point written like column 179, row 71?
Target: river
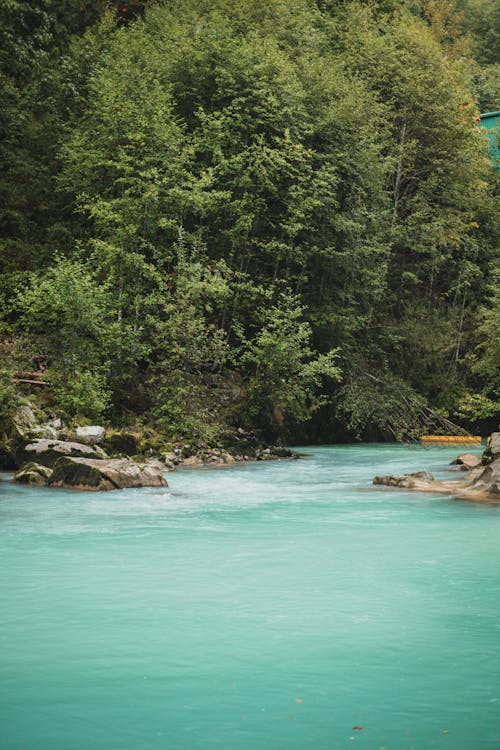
column 285, row 606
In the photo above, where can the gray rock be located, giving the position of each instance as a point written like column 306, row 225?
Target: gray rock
column 47, row 451
column 495, row 443
column 46, row 431
column 92, row 435
column 466, row 462
column 24, row 421
column 488, row 481
column 106, row 474
column 33, row 473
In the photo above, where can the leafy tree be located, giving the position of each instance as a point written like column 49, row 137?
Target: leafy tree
column 285, row 378
column 67, row 312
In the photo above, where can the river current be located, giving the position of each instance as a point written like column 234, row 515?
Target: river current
column 285, row 606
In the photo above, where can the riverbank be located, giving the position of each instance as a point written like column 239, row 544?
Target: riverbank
column 481, row 484
column 43, row 450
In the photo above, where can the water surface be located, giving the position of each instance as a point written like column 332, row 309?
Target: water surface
column 273, row 605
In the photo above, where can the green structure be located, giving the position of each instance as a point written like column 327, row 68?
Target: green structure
column 491, row 122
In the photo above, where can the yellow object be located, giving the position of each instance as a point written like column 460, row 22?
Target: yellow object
column 456, row 439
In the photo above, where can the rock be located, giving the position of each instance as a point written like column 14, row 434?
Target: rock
column 488, row 481
column 106, row 474
column 27, row 425
column 32, row 473
column 156, row 464
column 92, row 435
column 46, row 431
column 482, row 484
column 25, row 421
column 48, row 451
column 495, row 442
column 407, row 481
column 171, row 460
column 466, row 462
column 192, row 461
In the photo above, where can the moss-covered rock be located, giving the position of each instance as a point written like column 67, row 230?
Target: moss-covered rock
column 120, row 444
column 106, row 474
column 33, row 473
column 70, row 473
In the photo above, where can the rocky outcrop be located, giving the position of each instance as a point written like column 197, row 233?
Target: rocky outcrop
column 482, row 484
column 28, row 426
column 94, row 474
column 46, row 452
column 488, row 481
column 493, row 448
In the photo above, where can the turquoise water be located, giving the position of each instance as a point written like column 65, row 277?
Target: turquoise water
column 274, row 605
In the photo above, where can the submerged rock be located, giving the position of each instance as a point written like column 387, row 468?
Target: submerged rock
column 106, row 474
column 409, row 481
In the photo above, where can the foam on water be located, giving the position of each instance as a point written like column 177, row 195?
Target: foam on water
column 272, row 605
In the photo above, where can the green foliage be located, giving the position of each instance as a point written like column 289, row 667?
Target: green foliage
column 191, row 159
column 285, row 375
column 190, row 348
column 8, row 398
column 67, row 312
column 84, row 392
column 66, row 308
column 487, row 355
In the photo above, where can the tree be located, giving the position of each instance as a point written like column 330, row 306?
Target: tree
column 68, row 314
column 285, row 375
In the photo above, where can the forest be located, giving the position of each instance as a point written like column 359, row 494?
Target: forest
column 259, row 215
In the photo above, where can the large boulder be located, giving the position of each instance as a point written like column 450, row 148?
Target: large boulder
column 488, row 481
column 495, row 442
column 106, row 474
column 28, row 426
column 92, row 435
column 492, row 448
column 24, row 421
column 46, row 451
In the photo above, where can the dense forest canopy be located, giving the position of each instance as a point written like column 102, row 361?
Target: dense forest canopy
column 247, row 213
